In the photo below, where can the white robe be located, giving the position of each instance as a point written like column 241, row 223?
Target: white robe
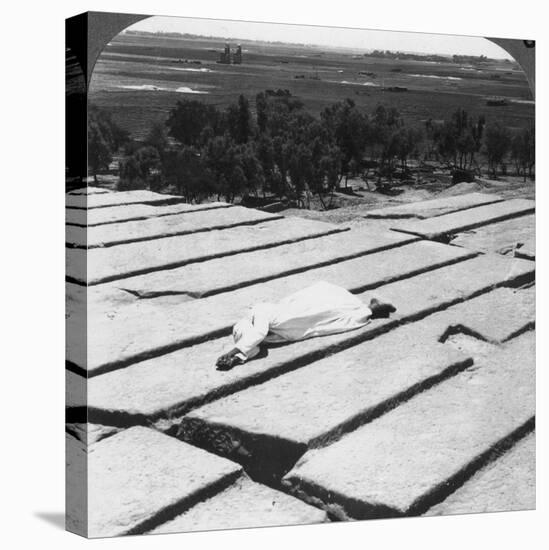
column 318, row 310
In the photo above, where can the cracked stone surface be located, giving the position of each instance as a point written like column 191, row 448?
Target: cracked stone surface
column 231, row 272
column 148, row 325
column 139, row 473
column 427, row 412
column 508, row 483
column 244, row 504
column 317, row 403
column 158, row 227
column 118, row 262
column 186, row 377
column 393, row 464
column 138, row 211
column 508, row 237
column 457, row 222
column 434, row 207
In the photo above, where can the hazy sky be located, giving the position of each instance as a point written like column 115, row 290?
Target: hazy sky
column 326, row 36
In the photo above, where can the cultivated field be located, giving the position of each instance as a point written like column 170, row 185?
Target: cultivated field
column 139, row 78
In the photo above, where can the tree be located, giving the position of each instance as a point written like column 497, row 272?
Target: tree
column 349, row 129
column 406, row 142
column 523, row 149
column 497, row 141
column 223, row 158
column 385, row 123
column 239, row 120
column 459, row 139
column 142, row 170
column 189, row 118
column 105, row 137
column 186, row 171
column 157, row 137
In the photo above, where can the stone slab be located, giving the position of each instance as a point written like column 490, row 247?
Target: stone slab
column 438, row 227
column 508, row 483
column 119, row 198
column 271, row 424
column 176, row 382
column 413, row 456
column 108, row 264
column 244, row 504
column 140, row 474
column 147, row 327
column 165, row 226
column 133, row 212
column 507, row 237
column 494, row 317
column 434, row 207
column 231, row 272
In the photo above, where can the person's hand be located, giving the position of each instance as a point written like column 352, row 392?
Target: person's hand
column 228, row 360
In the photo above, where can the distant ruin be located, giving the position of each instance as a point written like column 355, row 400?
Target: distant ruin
column 226, row 57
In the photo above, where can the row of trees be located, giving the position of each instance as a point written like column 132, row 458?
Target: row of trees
column 278, row 148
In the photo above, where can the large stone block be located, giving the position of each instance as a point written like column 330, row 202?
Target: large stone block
column 434, row 207
column 165, row 226
column 494, row 317
column 440, row 227
column 232, row 272
column 416, row 454
column 139, row 476
column 108, row 264
column 507, row 237
column 147, row 327
column 121, row 198
column 269, row 426
column 133, row 212
column 244, row 504
column 508, row 483
column 176, row 382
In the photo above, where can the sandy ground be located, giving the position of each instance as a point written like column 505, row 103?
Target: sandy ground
column 349, row 208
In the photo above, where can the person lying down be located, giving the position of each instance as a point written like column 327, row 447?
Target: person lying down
column 318, row 310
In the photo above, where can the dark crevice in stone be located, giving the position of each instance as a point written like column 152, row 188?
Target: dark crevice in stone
column 172, row 511
column 147, row 217
column 173, row 265
column 444, row 489
column 346, row 508
column 452, row 330
column 171, row 415
column 408, row 216
column 181, row 233
column 160, row 202
column 74, row 368
column 337, row 505
column 267, row 458
column 387, row 405
column 522, row 330
column 193, row 340
column 446, row 237
column 266, row 278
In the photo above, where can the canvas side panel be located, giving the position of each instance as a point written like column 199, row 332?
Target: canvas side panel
column 76, row 490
